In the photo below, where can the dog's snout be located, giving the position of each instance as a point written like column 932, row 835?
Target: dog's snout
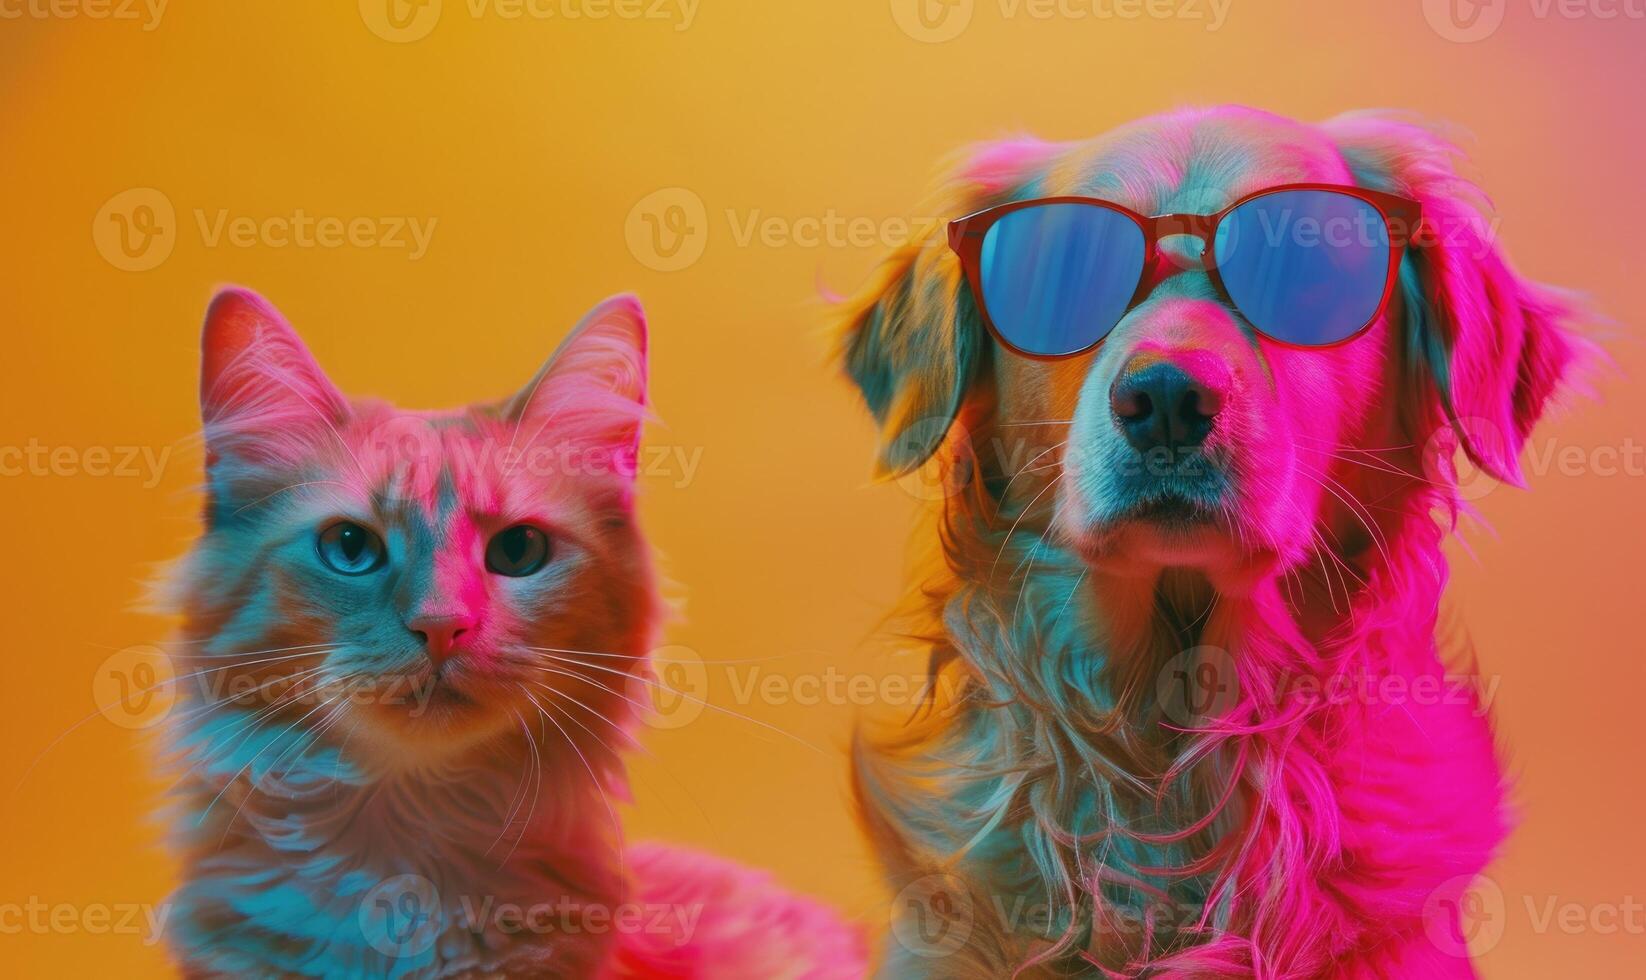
column 1161, row 404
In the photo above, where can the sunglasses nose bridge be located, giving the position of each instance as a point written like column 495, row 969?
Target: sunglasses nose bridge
column 1184, row 240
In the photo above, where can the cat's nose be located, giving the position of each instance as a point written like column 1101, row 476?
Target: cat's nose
column 440, row 634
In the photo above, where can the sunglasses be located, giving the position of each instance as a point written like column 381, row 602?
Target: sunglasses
column 1307, row 265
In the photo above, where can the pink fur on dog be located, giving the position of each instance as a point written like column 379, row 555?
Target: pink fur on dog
column 1326, row 815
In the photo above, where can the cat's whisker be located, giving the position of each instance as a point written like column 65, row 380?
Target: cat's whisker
column 614, row 750
column 256, row 784
column 299, row 690
column 234, row 653
column 655, row 660
column 642, row 706
column 249, row 763
column 622, row 731
column 537, row 785
column 195, row 715
column 337, row 766
column 689, row 697
column 518, row 797
column 319, row 734
column 617, row 827
column 245, row 728
column 102, row 710
column 201, row 711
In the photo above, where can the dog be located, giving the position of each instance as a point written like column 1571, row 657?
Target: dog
column 1177, row 645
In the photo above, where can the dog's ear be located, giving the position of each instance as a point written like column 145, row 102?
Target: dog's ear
column 912, row 346
column 1486, row 348
column 912, row 341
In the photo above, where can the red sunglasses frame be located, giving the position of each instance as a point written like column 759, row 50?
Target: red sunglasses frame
column 1401, row 218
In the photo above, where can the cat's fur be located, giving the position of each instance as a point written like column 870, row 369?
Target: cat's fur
column 348, row 804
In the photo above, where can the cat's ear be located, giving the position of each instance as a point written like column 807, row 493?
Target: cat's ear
column 259, row 386
column 590, row 398
column 251, row 358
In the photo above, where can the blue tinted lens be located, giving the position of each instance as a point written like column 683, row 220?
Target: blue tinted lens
column 1058, row 277
column 1304, row 267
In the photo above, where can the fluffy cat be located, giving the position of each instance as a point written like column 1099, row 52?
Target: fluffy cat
column 416, row 644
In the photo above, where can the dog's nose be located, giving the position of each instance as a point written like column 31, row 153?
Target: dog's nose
column 1161, row 405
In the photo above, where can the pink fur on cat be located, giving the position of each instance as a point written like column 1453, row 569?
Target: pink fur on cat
column 403, row 747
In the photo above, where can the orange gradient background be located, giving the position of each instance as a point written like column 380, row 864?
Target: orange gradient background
column 529, row 142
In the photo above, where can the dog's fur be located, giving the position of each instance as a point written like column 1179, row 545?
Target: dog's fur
column 1326, row 817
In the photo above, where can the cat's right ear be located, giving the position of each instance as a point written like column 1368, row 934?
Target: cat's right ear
column 259, row 386
column 590, row 398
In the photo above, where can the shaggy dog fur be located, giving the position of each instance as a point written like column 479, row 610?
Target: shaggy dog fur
column 1057, row 808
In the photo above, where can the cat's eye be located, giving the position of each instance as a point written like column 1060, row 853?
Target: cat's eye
column 351, row 549
column 517, row 551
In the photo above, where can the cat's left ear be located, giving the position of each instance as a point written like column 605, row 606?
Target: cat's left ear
column 590, row 398
column 261, row 391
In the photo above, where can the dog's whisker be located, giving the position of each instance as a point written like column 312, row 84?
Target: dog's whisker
column 1010, row 532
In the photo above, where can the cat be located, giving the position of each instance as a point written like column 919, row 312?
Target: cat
column 416, row 645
